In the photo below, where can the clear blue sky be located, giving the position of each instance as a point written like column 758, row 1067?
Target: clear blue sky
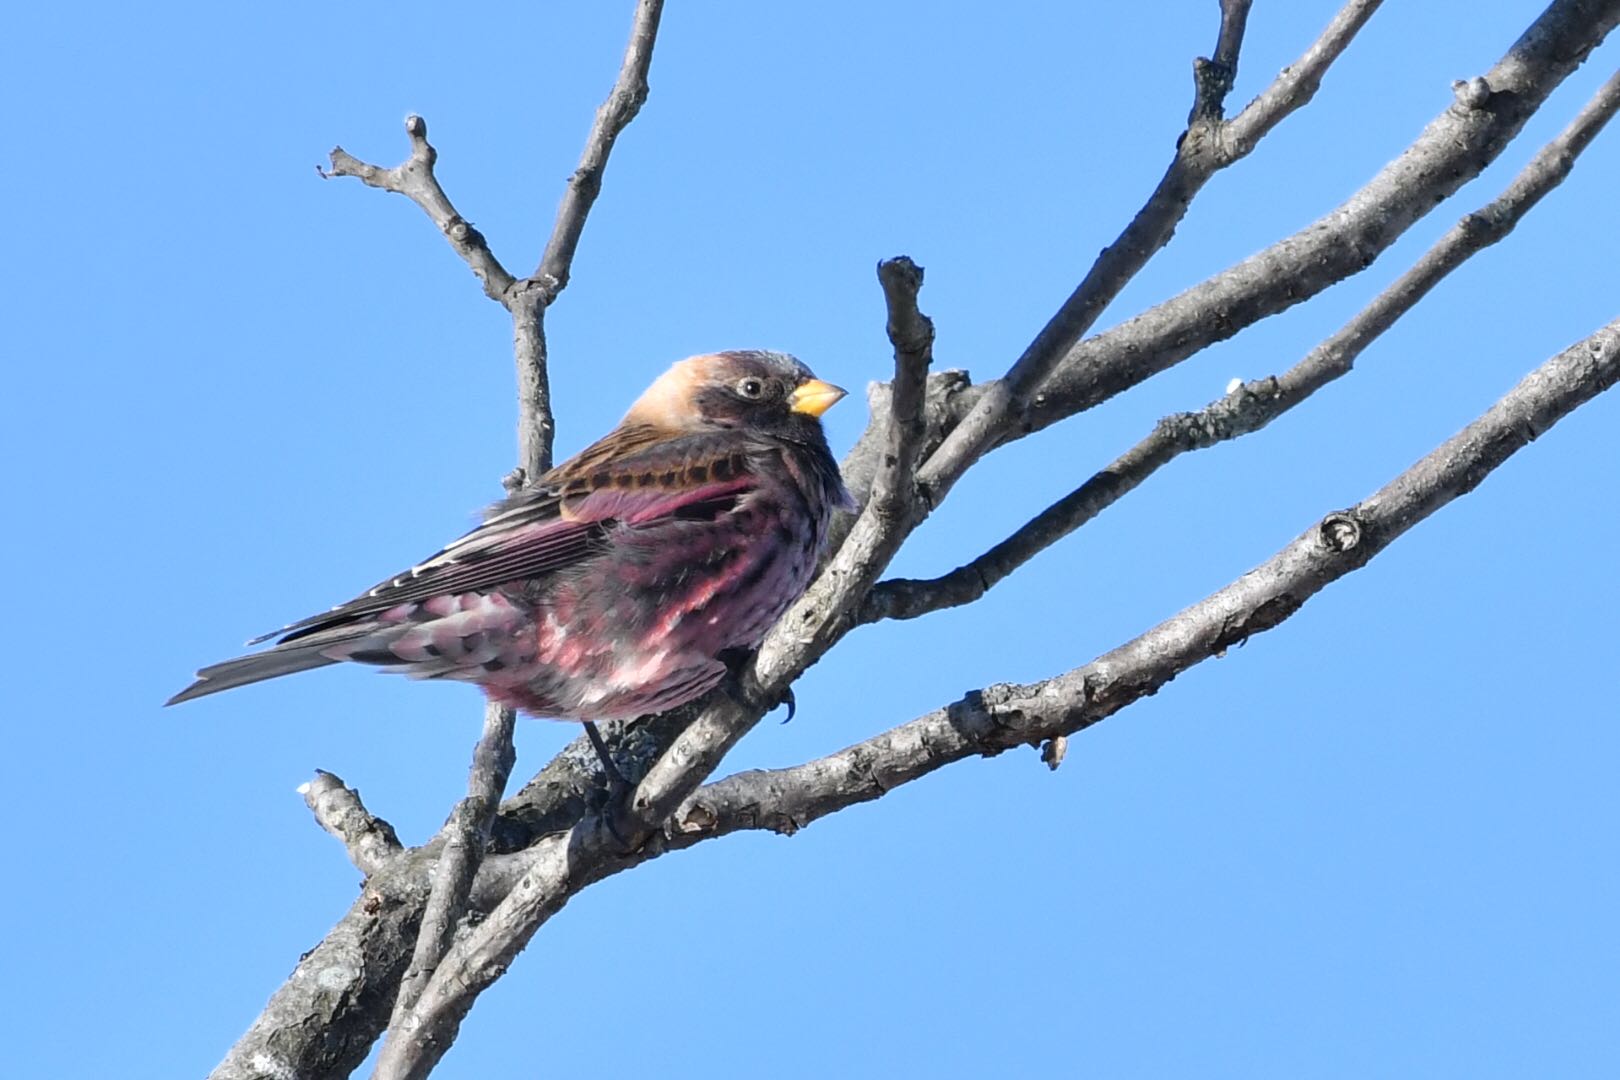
column 1379, row 841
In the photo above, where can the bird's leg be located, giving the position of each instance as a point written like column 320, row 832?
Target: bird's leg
column 618, row 788
column 615, row 779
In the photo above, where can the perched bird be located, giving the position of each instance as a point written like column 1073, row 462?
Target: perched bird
column 615, row 585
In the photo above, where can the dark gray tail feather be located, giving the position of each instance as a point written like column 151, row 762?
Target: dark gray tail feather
column 255, row 668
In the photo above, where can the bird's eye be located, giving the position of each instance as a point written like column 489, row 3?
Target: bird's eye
column 751, row 388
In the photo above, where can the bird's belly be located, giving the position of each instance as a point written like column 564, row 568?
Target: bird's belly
column 600, row 656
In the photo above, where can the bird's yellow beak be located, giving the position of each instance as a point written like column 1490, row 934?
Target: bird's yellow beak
column 815, row 397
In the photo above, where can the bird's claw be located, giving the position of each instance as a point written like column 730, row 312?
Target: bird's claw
column 791, row 702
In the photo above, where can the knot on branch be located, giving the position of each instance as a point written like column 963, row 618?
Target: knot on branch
column 993, row 719
column 1340, row 532
column 698, row 818
column 1472, row 93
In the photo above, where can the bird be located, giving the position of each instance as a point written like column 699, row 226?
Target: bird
column 622, row 582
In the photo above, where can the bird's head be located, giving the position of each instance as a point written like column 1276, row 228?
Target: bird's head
column 765, row 392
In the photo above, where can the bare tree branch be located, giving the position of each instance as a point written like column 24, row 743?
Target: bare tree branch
column 414, row 178
column 1455, row 147
column 912, row 335
column 1251, row 406
column 986, row 722
column 623, row 103
column 1297, row 83
column 413, row 1045
column 370, row 841
column 323, row 1019
column 1213, row 77
column 530, row 297
column 466, row 835
column 941, row 408
column 825, row 613
column 456, row 854
column 1202, row 151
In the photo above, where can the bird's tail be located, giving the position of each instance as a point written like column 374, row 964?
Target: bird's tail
column 284, row 660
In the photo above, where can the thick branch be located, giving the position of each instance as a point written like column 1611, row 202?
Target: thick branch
column 1251, row 406
column 997, row 718
column 414, row 179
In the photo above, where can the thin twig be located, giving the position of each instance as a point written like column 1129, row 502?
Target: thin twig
column 414, row 178
column 466, row 834
column 1298, row 82
column 529, row 299
column 912, row 335
column 1251, row 406
column 1213, row 77
column 370, row 841
column 628, row 95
